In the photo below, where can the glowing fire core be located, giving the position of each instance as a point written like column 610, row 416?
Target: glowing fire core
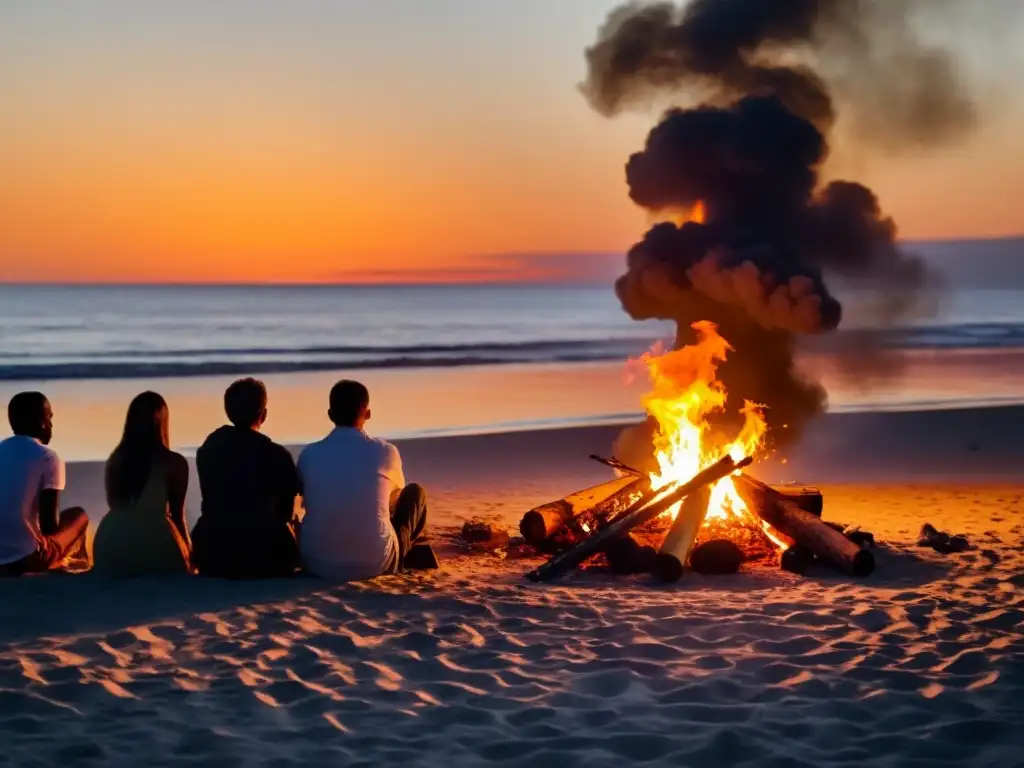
column 684, row 392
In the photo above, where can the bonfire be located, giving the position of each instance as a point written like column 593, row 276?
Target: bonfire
column 692, row 499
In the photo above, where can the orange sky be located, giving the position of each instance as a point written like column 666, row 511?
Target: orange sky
column 181, row 146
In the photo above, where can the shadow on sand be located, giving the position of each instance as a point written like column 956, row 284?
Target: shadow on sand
column 63, row 604
column 896, row 567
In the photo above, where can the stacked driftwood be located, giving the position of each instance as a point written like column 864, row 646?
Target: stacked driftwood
column 619, row 519
column 807, row 535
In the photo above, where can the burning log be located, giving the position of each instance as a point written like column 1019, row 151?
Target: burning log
column 793, row 522
column 637, row 515
column 603, row 500
column 637, row 492
column 671, row 559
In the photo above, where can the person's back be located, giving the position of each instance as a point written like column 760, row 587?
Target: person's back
column 246, row 479
column 361, row 518
column 144, row 532
column 34, row 536
column 348, row 480
column 248, row 485
column 26, row 465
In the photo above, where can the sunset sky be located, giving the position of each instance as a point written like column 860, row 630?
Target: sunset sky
column 307, row 140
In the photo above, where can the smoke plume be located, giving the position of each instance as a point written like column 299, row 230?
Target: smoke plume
column 766, row 82
column 866, row 54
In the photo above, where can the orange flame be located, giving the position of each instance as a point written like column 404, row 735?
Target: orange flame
column 685, row 391
column 696, row 214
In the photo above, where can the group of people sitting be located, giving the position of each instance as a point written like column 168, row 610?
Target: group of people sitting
column 360, row 518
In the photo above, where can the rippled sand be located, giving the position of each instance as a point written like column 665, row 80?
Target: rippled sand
column 921, row 664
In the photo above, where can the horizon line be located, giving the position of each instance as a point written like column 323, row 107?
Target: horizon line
column 295, row 283
column 373, row 277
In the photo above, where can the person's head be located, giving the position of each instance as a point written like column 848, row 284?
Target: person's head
column 350, row 404
column 30, row 415
column 147, row 424
column 245, row 403
column 146, row 435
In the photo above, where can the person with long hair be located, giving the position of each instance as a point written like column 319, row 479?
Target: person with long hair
column 145, row 532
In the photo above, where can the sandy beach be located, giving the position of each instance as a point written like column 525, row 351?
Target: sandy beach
column 920, row 664
column 522, row 227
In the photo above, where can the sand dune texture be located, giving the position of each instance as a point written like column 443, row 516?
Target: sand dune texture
column 922, row 664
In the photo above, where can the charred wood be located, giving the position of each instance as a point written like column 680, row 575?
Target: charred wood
column 544, row 521
column 627, row 556
column 716, row 557
column 808, row 499
column 804, row 528
column 663, row 501
column 797, row 559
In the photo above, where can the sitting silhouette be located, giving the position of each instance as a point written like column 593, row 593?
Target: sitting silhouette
column 249, row 485
column 144, row 533
column 34, row 537
column 362, row 520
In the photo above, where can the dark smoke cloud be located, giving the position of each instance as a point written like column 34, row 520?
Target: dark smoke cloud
column 898, row 88
column 751, row 153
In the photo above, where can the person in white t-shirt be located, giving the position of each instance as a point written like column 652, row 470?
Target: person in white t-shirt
column 34, row 536
column 361, row 518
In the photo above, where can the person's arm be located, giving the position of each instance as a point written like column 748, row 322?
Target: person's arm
column 298, row 473
column 108, row 482
column 395, row 473
column 51, row 484
column 177, row 489
column 290, row 486
column 49, row 511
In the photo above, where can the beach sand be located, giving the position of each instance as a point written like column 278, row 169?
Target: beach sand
column 921, row 664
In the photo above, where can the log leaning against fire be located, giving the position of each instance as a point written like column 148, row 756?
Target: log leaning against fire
column 637, row 515
column 808, row 499
column 583, row 511
column 805, row 497
column 671, row 559
column 804, row 528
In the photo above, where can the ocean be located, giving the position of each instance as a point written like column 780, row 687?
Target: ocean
column 93, row 332
column 439, row 358
column 135, row 332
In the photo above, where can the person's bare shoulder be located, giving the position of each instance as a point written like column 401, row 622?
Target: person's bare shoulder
column 177, row 462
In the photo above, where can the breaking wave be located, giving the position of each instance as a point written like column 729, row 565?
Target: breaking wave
column 198, row 361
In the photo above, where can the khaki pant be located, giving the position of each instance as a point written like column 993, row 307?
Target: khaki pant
column 69, row 536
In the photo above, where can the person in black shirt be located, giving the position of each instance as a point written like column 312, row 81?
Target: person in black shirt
column 249, row 484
